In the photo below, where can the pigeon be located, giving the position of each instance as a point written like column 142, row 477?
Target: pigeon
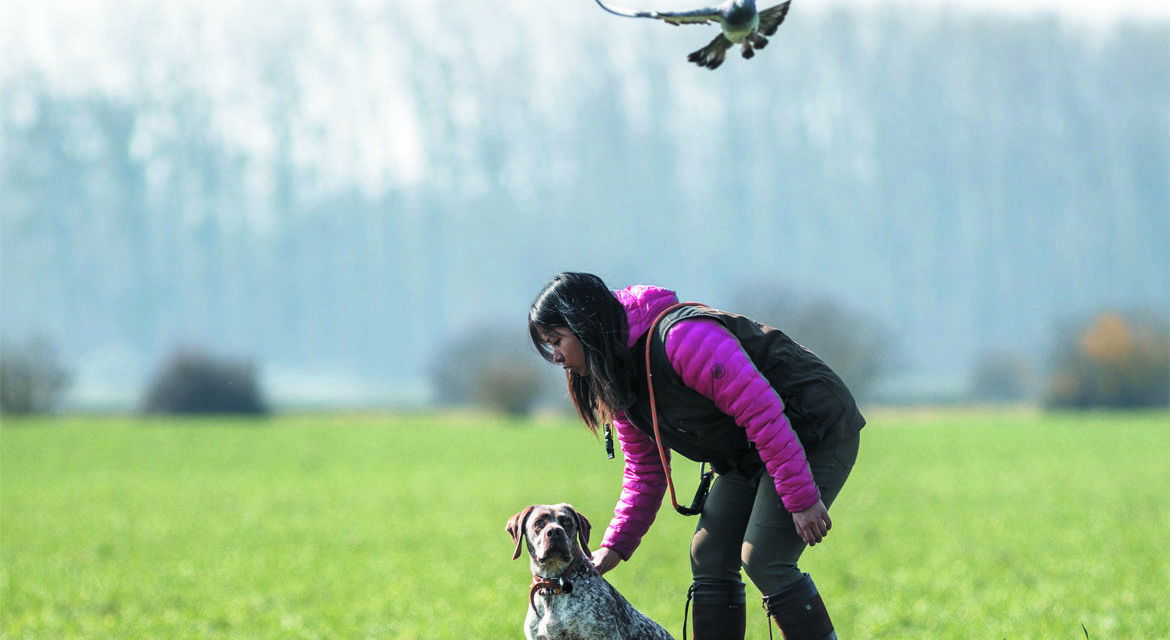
column 741, row 24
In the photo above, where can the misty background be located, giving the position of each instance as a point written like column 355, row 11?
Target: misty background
column 337, row 191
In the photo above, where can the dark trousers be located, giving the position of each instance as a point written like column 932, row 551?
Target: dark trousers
column 744, row 523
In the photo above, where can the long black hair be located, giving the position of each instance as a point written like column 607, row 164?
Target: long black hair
column 582, row 303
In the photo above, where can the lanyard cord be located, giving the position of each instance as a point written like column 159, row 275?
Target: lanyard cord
column 654, row 406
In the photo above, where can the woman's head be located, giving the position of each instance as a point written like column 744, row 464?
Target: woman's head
column 579, row 310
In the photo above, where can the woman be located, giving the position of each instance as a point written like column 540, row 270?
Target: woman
column 771, row 418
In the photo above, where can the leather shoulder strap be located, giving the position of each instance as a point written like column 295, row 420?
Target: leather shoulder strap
column 654, row 408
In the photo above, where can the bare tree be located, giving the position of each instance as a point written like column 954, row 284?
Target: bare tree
column 855, row 346
column 32, row 380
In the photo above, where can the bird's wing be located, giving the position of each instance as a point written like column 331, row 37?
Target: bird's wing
column 698, row 16
column 771, row 18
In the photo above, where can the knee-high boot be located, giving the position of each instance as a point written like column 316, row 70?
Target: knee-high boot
column 800, row 612
column 720, row 610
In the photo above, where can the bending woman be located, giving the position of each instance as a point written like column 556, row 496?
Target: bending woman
column 776, row 423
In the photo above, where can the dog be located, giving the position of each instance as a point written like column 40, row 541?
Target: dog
column 568, row 599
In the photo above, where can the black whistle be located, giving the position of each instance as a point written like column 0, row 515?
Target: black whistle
column 705, row 478
column 609, row 441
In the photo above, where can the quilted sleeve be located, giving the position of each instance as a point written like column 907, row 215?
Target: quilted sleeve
column 711, row 361
column 643, row 485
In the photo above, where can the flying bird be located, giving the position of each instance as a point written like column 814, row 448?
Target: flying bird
column 740, row 21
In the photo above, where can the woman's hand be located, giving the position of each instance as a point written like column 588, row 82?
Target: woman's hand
column 813, row 523
column 605, row 559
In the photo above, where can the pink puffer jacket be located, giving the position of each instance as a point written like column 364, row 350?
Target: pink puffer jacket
column 694, row 347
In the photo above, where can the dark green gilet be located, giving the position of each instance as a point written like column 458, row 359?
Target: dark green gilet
column 816, row 400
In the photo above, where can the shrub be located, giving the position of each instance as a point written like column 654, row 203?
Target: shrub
column 1116, row 361
column 32, row 380
column 191, row 381
column 493, row 367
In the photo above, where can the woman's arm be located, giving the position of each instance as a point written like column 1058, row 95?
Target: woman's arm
column 643, row 485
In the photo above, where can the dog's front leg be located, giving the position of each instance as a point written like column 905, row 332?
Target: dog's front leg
column 535, row 627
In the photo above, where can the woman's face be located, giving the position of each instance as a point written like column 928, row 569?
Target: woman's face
column 567, row 350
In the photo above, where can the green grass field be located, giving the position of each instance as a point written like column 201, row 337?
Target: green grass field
column 954, row 525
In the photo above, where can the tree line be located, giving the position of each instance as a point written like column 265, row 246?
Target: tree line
column 1115, row 360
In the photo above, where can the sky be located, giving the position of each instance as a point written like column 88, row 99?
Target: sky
column 1080, row 10
column 1091, row 11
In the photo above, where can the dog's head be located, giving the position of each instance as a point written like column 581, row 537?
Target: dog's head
column 552, row 533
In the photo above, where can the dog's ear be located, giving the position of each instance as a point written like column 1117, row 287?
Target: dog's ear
column 583, row 529
column 516, row 526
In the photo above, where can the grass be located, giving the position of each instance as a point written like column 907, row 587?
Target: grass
column 955, row 524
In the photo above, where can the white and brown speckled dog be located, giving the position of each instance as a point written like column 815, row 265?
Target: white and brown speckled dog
column 568, row 600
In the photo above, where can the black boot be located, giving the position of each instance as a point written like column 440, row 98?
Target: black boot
column 720, row 610
column 800, row 612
